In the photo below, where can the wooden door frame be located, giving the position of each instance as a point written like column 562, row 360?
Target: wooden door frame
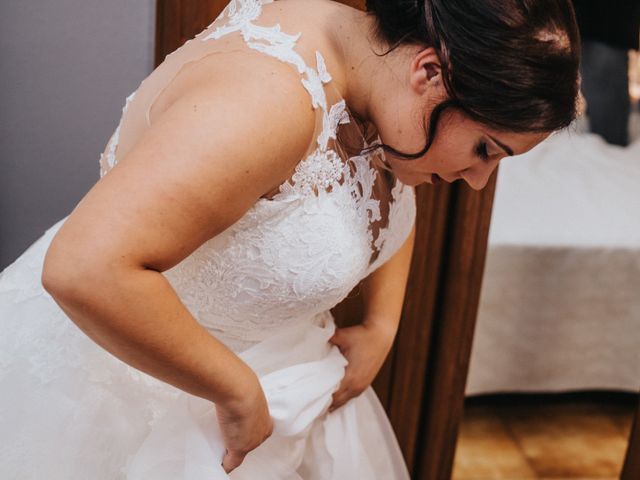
column 631, row 467
column 422, row 382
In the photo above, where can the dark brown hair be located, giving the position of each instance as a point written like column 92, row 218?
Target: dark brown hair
column 512, row 65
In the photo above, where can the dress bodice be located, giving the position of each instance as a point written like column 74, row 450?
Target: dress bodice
column 297, row 254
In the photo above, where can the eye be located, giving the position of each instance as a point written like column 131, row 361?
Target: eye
column 481, row 151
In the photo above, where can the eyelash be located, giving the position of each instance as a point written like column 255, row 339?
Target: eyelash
column 481, row 151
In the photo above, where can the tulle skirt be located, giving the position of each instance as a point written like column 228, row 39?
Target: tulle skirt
column 71, row 410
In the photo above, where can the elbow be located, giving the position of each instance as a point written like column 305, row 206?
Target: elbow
column 80, row 280
column 57, row 281
column 62, row 276
column 73, row 274
column 52, row 281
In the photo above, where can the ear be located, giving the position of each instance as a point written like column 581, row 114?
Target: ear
column 425, row 72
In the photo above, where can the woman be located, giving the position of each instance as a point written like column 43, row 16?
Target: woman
column 244, row 194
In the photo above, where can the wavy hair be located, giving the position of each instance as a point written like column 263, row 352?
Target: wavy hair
column 512, row 65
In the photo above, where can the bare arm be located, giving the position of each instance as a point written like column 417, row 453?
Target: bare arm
column 203, row 163
column 384, row 289
column 367, row 345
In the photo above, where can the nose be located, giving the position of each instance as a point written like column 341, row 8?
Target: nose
column 478, row 175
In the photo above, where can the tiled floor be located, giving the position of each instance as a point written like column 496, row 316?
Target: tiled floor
column 553, row 437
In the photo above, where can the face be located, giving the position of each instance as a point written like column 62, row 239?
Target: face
column 462, row 148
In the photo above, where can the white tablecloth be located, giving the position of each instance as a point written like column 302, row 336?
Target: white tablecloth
column 560, row 301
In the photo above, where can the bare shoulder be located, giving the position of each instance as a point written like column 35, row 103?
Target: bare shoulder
column 207, row 158
column 235, row 62
column 314, row 20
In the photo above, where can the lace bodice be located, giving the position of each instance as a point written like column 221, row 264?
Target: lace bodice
column 300, row 252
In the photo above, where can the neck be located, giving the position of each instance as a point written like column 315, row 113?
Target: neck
column 366, row 77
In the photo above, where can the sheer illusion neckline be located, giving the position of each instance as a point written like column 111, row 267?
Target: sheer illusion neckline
column 395, row 186
column 350, row 180
column 363, row 207
column 271, row 40
column 323, row 163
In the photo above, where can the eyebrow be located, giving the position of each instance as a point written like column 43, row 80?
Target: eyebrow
column 506, row 148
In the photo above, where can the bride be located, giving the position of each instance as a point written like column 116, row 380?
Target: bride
column 176, row 324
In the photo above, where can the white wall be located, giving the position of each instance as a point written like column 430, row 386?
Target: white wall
column 66, row 68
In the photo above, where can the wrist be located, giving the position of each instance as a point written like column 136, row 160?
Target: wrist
column 243, row 390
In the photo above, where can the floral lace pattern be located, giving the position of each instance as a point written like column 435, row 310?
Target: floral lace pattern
column 299, row 253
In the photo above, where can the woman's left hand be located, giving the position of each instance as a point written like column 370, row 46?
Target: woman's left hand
column 366, row 347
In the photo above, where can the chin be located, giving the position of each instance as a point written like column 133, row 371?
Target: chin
column 412, row 179
column 414, row 182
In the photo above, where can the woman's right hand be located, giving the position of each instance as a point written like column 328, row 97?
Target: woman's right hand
column 244, row 425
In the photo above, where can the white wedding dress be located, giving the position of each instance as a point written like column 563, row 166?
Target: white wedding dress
column 264, row 287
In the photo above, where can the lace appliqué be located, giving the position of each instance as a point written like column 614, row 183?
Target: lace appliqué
column 318, row 170
column 274, row 42
column 337, row 115
column 108, row 159
column 322, row 168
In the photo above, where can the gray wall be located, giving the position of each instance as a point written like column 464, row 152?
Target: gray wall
column 66, row 67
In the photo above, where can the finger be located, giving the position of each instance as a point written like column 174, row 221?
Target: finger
column 231, row 461
column 338, row 401
column 337, row 336
column 334, row 403
column 341, row 391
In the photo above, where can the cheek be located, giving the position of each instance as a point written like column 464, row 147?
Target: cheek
column 403, row 132
column 450, row 156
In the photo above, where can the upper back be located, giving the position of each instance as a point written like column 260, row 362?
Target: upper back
column 223, row 54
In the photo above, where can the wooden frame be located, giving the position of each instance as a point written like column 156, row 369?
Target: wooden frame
column 631, row 467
